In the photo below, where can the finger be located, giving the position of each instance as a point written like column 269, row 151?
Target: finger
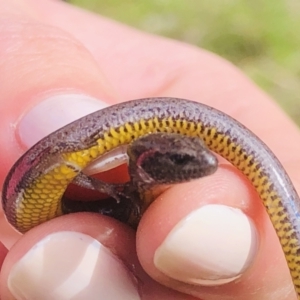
column 190, row 241
column 164, row 67
column 48, row 79
column 161, row 67
column 45, row 62
column 80, row 256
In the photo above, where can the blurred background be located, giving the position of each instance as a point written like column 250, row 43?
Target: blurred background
column 260, row 37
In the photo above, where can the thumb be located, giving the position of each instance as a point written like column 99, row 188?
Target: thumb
column 42, row 69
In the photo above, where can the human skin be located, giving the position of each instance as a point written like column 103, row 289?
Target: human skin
column 92, row 55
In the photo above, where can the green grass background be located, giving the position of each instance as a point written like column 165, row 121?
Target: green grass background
column 260, row 37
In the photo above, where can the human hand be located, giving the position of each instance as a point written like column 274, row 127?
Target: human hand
column 56, row 60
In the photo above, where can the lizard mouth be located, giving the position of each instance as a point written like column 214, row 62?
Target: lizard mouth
column 112, row 167
column 80, row 199
column 117, row 174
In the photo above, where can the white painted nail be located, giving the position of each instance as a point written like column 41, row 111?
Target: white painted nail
column 213, row 245
column 54, row 113
column 71, row 266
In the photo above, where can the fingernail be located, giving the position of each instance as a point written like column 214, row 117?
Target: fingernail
column 213, row 245
column 71, row 265
column 54, row 113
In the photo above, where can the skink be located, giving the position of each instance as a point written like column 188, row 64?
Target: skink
column 35, row 185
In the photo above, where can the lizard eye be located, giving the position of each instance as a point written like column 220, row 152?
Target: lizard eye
column 179, row 159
